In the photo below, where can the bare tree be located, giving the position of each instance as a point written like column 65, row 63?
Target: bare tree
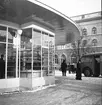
column 81, row 47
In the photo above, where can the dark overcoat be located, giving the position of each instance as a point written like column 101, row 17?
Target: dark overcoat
column 63, row 66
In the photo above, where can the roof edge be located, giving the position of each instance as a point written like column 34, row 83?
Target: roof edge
column 55, row 11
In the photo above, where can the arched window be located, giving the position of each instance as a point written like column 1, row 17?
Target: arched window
column 63, row 57
column 84, row 43
column 84, row 31
column 94, row 42
column 56, row 59
column 94, row 30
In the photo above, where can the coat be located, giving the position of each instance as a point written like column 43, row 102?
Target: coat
column 63, row 66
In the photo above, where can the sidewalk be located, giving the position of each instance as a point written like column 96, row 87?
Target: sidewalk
column 66, row 91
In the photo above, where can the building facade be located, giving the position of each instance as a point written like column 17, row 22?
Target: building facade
column 91, row 36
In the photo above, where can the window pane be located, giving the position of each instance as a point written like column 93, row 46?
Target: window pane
column 2, row 60
column 36, row 40
column 45, row 53
column 51, row 55
column 45, row 61
column 3, row 33
column 11, row 61
column 26, row 50
column 37, row 58
column 26, row 53
column 36, row 37
column 11, row 35
column 45, row 40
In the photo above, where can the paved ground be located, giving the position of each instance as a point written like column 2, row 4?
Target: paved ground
column 67, row 91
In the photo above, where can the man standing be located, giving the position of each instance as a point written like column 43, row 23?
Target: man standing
column 63, row 68
column 78, row 71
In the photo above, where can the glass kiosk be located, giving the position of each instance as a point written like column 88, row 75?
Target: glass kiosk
column 37, row 57
column 27, row 59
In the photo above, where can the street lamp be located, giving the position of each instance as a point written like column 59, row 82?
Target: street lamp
column 19, row 32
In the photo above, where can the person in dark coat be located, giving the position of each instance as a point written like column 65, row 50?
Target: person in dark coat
column 2, row 67
column 63, row 68
column 78, row 71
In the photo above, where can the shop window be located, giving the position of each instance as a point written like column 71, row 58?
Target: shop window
column 12, row 53
column 84, row 31
column 51, row 54
column 45, row 53
column 26, row 50
column 2, row 60
column 36, row 38
column 3, row 34
column 11, row 61
column 37, row 53
column 94, row 30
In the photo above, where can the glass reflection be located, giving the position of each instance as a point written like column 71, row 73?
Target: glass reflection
column 51, row 55
column 26, row 50
column 11, row 53
column 11, row 35
column 45, row 61
column 11, row 62
column 3, row 33
column 36, row 40
column 2, row 60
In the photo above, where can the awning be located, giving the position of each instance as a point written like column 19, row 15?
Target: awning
column 23, row 11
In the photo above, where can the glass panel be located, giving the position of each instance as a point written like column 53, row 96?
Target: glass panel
column 56, row 59
column 26, row 59
column 26, row 53
column 51, row 55
column 36, row 40
column 45, row 61
column 36, row 37
column 11, row 61
column 3, row 33
column 2, row 60
column 11, row 35
column 19, row 63
column 45, row 39
column 13, row 44
column 37, row 58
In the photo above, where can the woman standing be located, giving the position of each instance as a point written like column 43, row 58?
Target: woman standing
column 63, row 68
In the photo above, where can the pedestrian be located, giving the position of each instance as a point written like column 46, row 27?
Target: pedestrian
column 2, row 67
column 64, row 67
column 69, row 68
column 78, row 71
